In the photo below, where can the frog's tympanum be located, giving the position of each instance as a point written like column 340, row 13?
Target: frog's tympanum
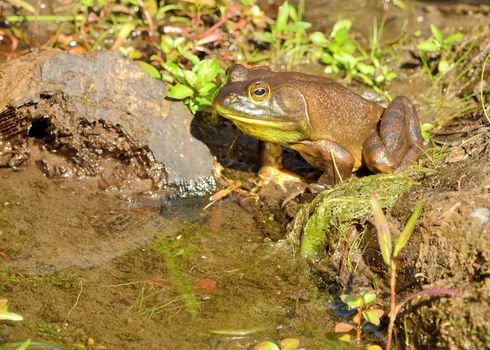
column 333, row 128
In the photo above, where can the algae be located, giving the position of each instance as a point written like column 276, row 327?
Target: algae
column 342, row 206
column 175, row 252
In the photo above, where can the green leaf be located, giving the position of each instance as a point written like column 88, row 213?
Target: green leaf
column 10, row 316
column 179, row 42
column 428, row 45
column 383, row 231
column 424, row 129
column 339, row 25
column 402, row 240
column 319, row 39
column 353, row 301
column 175, row 70
column 371, row 317
column 207, row 89
column 193, row 58
column 443, row 66
column 298, row 26
column 453, row 38
column 148, row 68
column 180, row 91
column 266, row 345
column 327, row 58
column 282, row 17
column 25, row 345
column 167, row 43
column 190, row 77
column 345, row 338
column 207, row 70
column 365, row 68
column 374, row 347
column 289, row 344
column 436, row 33
column 369, row 298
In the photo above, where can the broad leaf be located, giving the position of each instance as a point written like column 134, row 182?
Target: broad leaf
column 453, row 38
column 354, row 301
column 436, row 33
column 266, row 345
column 428, row 45
column 148, row 68
column 282, row 17
column 318, row 38
column 290, row 344
column 180, row 91
column 371, row 317
column 343, row 327
column 342, row 24
column 369, row 298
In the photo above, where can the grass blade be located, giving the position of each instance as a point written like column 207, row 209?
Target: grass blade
column 401, row 241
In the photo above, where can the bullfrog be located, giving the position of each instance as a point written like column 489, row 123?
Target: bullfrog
column 333, row 128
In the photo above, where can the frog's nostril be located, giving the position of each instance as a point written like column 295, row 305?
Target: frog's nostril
column 231, row 97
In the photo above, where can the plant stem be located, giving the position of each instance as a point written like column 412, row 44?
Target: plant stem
column 393, row 306
column 359, row 322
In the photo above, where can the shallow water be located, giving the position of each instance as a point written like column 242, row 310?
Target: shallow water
column 80, row 263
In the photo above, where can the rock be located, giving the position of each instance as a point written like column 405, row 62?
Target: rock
column 105, row 117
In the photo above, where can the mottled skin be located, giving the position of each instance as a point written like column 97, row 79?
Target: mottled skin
column 322, row 120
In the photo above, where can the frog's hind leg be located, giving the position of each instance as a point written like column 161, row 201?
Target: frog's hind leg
column 397, row 141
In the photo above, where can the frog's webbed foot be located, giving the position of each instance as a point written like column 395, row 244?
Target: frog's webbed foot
column 397, row 141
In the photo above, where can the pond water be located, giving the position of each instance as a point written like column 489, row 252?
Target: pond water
column 81, row 264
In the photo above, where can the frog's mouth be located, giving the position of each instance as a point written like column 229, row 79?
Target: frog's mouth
column 264, row 121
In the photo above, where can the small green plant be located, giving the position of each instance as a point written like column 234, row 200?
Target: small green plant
column 424, row 129
column 342, row 53
column 440, row 46
column 366, row 312
column 287, row 38
column 197, row 86
column 390, row 248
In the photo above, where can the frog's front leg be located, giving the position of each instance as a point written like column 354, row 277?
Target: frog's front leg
column 397, row 141
column 271, row 168
column 336, row 162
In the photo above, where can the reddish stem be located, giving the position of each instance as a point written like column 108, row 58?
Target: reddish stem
column 229, row 14
column 359, row 322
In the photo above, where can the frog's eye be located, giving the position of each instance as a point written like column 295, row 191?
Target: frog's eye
column 259, row 92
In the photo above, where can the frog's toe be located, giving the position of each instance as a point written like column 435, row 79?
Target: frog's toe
column 281, row 177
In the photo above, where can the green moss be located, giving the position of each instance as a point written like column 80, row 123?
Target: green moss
column 342, row 206
column 175, row 253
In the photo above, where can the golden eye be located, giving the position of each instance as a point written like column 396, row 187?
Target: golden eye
column 259, row 92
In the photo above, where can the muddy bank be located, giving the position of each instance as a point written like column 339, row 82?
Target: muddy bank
column 99, row 115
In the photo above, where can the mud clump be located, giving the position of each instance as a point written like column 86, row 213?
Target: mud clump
column 99, row 115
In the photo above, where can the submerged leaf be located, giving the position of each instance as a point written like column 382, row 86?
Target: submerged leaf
column 290, row 344
column 343, row 327
column 266, row 345
column 346, row 338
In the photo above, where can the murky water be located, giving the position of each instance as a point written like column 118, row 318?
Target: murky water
column 80, row 264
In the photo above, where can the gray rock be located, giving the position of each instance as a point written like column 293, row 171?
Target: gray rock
column 99, row 109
